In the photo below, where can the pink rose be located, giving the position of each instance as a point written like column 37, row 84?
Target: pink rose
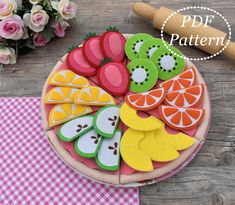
column 67, row 9
column 7, row 7
column 59, row 28
column 39, row 39
column 12, row 28
column 37, row 19
column 7, row 55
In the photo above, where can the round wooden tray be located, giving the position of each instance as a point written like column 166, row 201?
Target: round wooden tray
column 130, row 180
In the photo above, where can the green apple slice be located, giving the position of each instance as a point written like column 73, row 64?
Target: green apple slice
column 75, row 128
column 88, row 144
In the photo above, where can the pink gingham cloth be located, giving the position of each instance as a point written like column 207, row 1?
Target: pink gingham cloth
column 30, row 171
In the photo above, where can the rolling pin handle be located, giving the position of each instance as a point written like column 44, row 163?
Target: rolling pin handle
column 144, row 10
column 230, row 50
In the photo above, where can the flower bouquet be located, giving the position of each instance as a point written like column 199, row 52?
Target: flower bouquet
column 28, row 24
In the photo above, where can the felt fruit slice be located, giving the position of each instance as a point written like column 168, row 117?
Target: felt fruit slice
column 181, row 81
column 131, row 152
column 64, row 112
column 75, row 128
column 162, row 146
column 92, row 49
column 149, row 47
column 188, row 97
column 130, row 118
column 147, row 100
column 113, row 44
column 114, row 78
column 181, row 118
column 143, row 74
column 168, row 64
column 108, row 156
column 93, row 95
column 87, row 145
column 106, row 120
column 77, row 62
column 68, row 78
column 60, row 95
column 133, row 44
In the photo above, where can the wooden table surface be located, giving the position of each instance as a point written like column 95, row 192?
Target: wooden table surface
column 210, row 177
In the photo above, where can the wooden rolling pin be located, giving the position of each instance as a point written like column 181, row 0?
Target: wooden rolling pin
column 158, row 16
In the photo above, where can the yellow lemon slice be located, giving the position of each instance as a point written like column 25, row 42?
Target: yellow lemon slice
column 93, row 95
column 64, row 112
column 60, row 95
column 130, row 118
column 68, row 78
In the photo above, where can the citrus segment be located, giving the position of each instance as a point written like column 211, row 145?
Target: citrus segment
column 60, row 95
column 147, row 100
column 68, row 78
column 64, row 112
column 188, row 97
column 181, row 81
column 183, row 118
column 93, row 95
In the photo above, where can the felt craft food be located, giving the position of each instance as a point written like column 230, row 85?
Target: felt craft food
column 106, row 120
column 61, row 113
column 109, row 117
column 168, row 64
column 147, row 100
column 88, row 144
column 149, row 47
column 78, row 63
column 75, row 128
column 143, row 75
column 92, row 50
column 187, row 97
column 108, row 156
column 130, row 118
column 69, row 79
column 139, row 149
column 113, row 44
column 114, row 78
column 60, row 95
column 184, row 80
column 93, row 95
column 181, row 118
column 133, row 44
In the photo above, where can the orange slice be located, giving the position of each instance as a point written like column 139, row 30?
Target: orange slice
column 188, row 97
column 68, row 78
column 147, row 100
column 93, row 95
column 181, row 81
column 64, row 112
column 181, row 118
column 60, row 95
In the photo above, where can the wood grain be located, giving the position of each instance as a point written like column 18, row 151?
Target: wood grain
column 210, row 178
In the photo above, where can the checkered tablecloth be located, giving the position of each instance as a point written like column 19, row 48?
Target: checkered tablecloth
column 30, row 171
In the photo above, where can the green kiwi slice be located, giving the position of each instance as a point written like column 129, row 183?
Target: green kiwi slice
column 150, row 46
column 167, row 63
column 143, row 74
column 134, row 43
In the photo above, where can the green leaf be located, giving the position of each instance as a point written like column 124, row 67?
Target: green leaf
column 48, row 33
column 89, row 35
column 70, row 48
